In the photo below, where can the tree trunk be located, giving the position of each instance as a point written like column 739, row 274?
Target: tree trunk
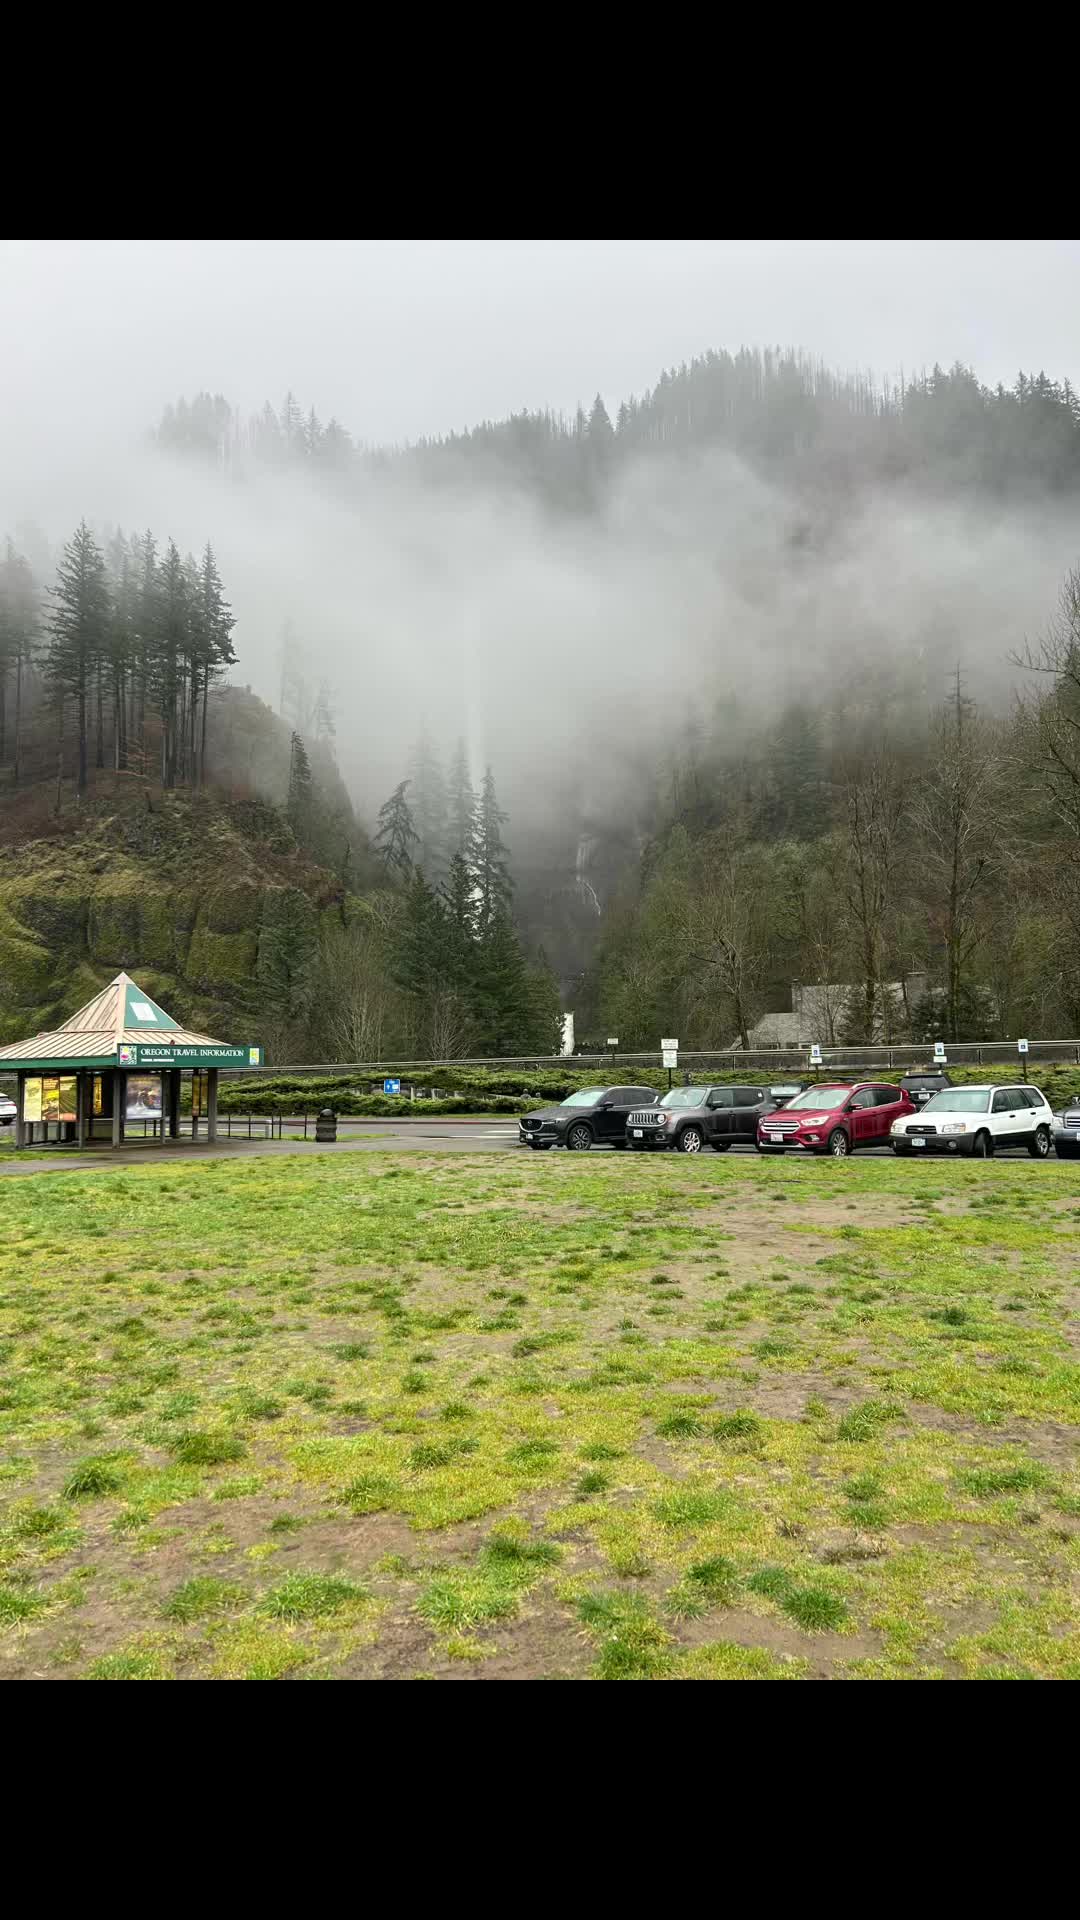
column 59, row 754
column 81, row 717
column 99, row 756
column 18, row 710
column 202, row 745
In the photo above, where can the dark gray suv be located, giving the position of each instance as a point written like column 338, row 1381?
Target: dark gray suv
column 689, row 1118
column 592, row 1117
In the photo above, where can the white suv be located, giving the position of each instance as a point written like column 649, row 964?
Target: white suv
column 8, row 1110
column 976, row 1120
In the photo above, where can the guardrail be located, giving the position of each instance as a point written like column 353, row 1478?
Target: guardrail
column 961, row 1053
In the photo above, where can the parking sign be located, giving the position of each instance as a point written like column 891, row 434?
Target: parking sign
column 815, row 1056
column 391, row 1086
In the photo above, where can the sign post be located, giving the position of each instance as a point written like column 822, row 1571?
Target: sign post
column 1021, row 1047
column 815, row 1055
column 940, row 1056
column 669, row 1050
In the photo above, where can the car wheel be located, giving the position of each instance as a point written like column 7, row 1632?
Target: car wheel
column 579, row 1139
column 1040, row 1143
column 690, row 1140
column 720, row 1146
column 839, row 1144
column 982, row 1147
column 1066, row 1152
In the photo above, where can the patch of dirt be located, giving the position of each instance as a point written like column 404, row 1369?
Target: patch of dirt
column 781, row 1637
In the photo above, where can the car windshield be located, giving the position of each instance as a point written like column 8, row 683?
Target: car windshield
column 684, row 1097
column 959, row 1100
column 818, row 1098
column 584, row 1097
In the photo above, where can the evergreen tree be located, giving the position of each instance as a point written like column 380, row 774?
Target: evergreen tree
column 18, row 638
column 396, row 836
column 298, row 805
column 502, row 996
column 213, row 653
column 461, row 804
column 171, row 639
column 488, row 858
column 429, row 805
column 78, row 631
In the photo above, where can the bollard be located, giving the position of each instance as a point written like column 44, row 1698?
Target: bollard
column 326, row 1124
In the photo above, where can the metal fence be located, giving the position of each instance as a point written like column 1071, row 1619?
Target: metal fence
column 973, row 1053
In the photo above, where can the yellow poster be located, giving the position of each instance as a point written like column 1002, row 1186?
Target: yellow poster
column 32, row 1099
column 98, row 1100
column 50, row 1099
column 67, row 1098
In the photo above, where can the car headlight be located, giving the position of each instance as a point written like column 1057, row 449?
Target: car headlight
column 897, row 1126
column 955, row 1126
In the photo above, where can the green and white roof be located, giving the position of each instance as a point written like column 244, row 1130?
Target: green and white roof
column 121, row 1015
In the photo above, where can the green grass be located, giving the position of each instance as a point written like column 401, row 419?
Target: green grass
column 540, row 1415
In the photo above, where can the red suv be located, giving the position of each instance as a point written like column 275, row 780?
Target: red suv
column 835, row 1118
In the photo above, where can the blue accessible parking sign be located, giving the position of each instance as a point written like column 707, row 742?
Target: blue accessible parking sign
column 391, row 1086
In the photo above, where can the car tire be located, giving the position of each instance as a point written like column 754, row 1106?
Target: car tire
column 719, row 1146
column 579, row 1138
column 982, row 1147
column 1040, row 1143
column 1066, row 1150
column 838, row 1144
column 690, row 1140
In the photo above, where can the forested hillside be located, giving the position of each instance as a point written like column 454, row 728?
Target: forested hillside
column 743, row 655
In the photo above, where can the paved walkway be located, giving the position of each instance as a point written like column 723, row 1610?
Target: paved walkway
column 442, row 1136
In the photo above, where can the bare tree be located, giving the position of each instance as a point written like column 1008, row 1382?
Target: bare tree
column 873, row 817
column 954, row 814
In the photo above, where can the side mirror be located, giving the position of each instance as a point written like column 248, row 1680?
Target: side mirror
column 605, row 1105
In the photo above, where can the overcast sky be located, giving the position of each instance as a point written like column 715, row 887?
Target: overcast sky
column 403, row 338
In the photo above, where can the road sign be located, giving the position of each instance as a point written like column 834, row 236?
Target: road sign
column 669, row 1046
column 671, row 1056
column 940, row 1055
column 391, row 1086
column 613, row 1040
column 815, row 1056
column 1021, row 1046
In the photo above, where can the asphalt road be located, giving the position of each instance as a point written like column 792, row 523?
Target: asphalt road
column 448, row 1135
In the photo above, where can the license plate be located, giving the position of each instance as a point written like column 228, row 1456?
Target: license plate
column 637, row 1133
column 917, row 1140
column 776, row 1136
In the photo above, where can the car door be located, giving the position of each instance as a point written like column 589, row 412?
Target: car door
column 610, row 1116
column 1006, row 1120
column 1034, row 1110
column 719, row 1113
column 748, row 1109
column 888, row 1106
column 860, row 1109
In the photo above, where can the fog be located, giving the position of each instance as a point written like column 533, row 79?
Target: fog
column 562, row 647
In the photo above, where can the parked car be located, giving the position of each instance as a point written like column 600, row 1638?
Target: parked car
column 1067, row 1132
column 785, row 1094
column 592, row 1117
column 8, row 1110
column 689, row 1118
column 921, row 1086
column 979, row 1121
column 837, row 1117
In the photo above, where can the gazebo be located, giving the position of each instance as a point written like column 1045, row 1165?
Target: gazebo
column 119, row 1059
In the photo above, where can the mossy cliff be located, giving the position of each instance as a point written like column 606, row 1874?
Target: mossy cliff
column 183, row 891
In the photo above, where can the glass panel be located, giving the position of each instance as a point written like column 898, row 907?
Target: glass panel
column 32, row 1098
column 143, row 1096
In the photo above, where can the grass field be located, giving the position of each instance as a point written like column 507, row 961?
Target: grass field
column 540, row 1416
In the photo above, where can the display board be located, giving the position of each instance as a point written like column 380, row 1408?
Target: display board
column 143, row 1097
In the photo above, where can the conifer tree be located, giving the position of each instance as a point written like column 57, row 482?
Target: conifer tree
column 488, row 858
column 461, row 804
column 396, row 836
column 18, row 639
column 298, row 805
column 78, row 630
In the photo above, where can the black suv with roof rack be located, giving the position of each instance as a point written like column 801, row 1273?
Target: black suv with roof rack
column 921, row 1084
column 689, row 1118
column 591, row 1117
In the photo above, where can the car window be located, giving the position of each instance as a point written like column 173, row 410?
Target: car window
column 886, row 1096
column 864, row 1098
column 821, row 1099
column 721, row 1097
column 1032, row 1096
column 749, row 1096
column 1002, row 1102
